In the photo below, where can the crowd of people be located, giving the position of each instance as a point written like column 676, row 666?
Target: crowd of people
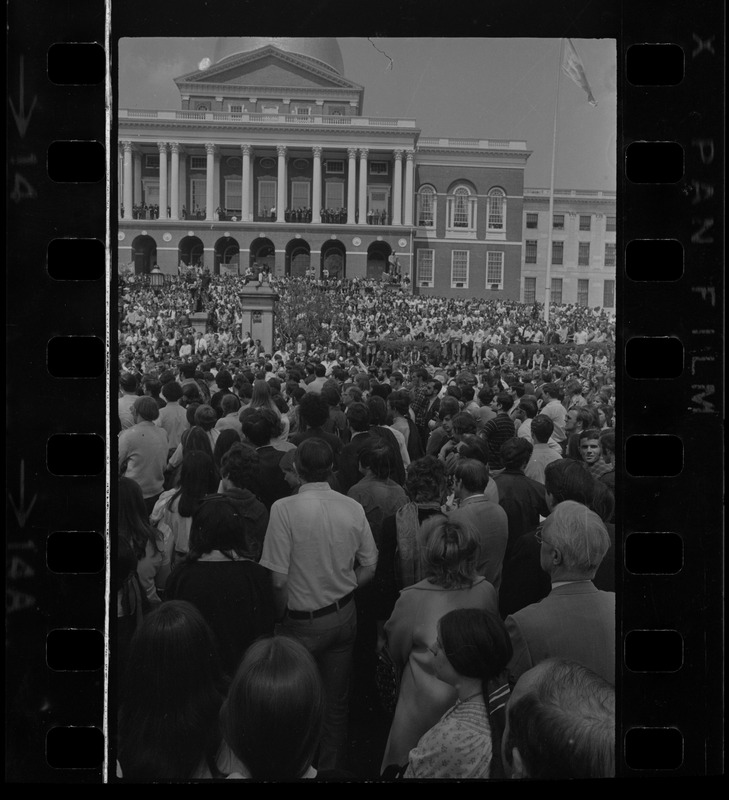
column 291, row 521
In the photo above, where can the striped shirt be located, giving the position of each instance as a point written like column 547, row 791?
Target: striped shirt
column 497, row 431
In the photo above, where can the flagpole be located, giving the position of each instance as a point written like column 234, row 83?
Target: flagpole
column 550, row 219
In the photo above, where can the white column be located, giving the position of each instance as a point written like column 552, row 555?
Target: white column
column 409, row 164
column 351, row 185
column 316, row 186
column 281, row 183
column 163, row 202
column 137, row 161
column 363, row 185
column 209, row 181
column 397, row 190
column 128, row 178
column 245, row 185
column 174, row 180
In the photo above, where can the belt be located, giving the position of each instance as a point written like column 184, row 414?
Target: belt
column 320, row 612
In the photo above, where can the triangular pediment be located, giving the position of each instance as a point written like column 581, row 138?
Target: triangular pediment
column 269, row 67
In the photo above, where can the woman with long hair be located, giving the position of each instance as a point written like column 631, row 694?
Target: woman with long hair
column 272, row 718
column 173, row 511
column 449, row 553
column 171, row 694
column 146, row 541
column 471, row 651
column 262, row 398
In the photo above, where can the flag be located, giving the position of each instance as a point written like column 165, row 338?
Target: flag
column 573, row 68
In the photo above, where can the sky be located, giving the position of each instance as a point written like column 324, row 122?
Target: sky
column 480, row 88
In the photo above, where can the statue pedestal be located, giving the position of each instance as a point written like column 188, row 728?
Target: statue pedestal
column 258, row 301
column 199, row 322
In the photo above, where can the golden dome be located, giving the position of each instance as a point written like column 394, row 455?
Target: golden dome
column 324, row 50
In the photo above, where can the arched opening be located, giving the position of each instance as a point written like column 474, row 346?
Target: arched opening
column 191, row 251
column 144, row 254
column 377, row 263
column 263, row 253
column 227, row 256
column 334, row 261
column 298, row 258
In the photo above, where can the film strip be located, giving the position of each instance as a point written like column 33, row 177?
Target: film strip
column 670, row 286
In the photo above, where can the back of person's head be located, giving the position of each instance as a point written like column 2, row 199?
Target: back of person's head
column 245, row 390
column 188, row 369
column 331, row 394
column 226, row 439
column 399, row 400
column 146, row 409
column 467, row 392
column 566, row 479
column 218, row 524
column 383, row 390
column 191, row 394
column 448, row 407
column 128, row 382
column 172, row 692
column 153, row 386
column 448, row 552
column 473, row 474
column 505, row 400
column 171, row 391
column 197, row 439
column 485, row 395
column 425, row 480
column 550, row 389
column 580, row 536
column 320, row 370
column 603, row 502
column 198, row 477
column 314, row 460
column 529, row 406
column 378, row 410
column 377, row 458
column 607, row 441
column 229, row 404
column 455, row 392
column 313, row 410
column 474, row 446
column 224, row 380
column 516, row 452
column 259, row 426
column 239, row 464
column 561, row 723
column 542, row 427
column 463, row 423
column 273, row 716
column 475, row 642
column 358, row 417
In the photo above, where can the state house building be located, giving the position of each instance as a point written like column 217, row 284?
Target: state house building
column 272, row 159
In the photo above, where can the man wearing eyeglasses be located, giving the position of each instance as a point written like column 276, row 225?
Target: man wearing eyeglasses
column 575, row 620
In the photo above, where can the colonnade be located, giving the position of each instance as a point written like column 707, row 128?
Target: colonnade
column 402, row 190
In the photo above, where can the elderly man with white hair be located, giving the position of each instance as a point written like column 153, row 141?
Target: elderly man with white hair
column 575, row 620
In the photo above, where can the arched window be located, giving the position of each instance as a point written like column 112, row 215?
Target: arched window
column 426, row 206
column 462, row 212
column 496, row 214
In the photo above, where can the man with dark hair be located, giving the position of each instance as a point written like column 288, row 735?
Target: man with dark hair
column 313, row 415
column 486, row 519
column 128, row 387
column 230, row 411
column 173, row 417
column 499, row 429
column 239, row 472
column 552, row 407
column 224, row 382
column 319, row 548
column 560, row 724
column 591, row 453
column 320, row 379
column 152, row 387
column 143, row 451
column 358, row 419
column 575, row 620
column 522, row 498
column 607, row 441
column 542, row 428
column 259, row 427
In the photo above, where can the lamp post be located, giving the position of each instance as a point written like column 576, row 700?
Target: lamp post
column 156, row 278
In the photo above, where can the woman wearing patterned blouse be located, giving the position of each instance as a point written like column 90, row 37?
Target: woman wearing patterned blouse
column 471, row 653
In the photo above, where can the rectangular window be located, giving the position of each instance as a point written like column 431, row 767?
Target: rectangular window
column 378, row 167
column 583, row 292
column 198, row 162
column 558, row 222
column 269, row 108
column 494, row 269
column 197, row 194
column 151, row 162
column 335, row 167
column 530, row 290
column 583, row 254
column 426, row 268
column 556, row 293
column 459, row 269
column 302, row 111
column 334, row 194
column 532, row 220
column 266, row 197
column 236, row 108
column 558, row 253
column 609, row 254
column 530, row 251
column 299, row 194
column 337, row 111
column 608, row 294
column 610, row 223
column 426, row 209
column 495, row 221
column 585, row 222
column 233, row 204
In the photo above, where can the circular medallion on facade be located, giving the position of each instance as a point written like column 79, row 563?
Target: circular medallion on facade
column 191, row 233
column 333, row 236
column 300, row 163
column 298, row 236
column 402, row 242
column 167, row 237
column 268, row 163
column 121, row 236
column 227, row 235
column 356, row 241
column 144, row 233
column 379, row 238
